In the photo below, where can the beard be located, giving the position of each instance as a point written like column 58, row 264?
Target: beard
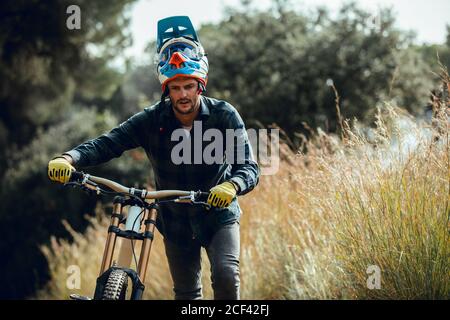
column 181, row 109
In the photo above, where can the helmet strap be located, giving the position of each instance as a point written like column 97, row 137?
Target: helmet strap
column 164, row 95
column 201, row 88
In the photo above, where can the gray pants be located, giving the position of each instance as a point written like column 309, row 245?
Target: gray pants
column 223, row 255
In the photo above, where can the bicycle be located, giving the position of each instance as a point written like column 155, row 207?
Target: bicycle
column 112, row 281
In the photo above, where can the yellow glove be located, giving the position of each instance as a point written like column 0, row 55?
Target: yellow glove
column 60, row 170
column 222, row 195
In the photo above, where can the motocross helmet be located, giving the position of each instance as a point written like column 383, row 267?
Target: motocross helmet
column 179, row 52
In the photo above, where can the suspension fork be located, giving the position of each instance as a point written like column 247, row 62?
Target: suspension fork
column 150, row 215
column 149, row 218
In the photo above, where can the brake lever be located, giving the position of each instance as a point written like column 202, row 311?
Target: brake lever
column 205, row 204
column 191, row 199
column 86, row 185
column 90, row 190
column 71, row 184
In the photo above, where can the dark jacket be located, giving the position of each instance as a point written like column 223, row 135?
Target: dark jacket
column 152, row 130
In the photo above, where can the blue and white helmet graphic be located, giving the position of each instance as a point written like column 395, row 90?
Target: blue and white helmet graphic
column 179, row 52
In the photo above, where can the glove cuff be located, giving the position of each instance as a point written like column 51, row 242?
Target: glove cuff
column 65, row 157
column 235, row 185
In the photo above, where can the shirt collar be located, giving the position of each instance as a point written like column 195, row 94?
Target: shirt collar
column 204, row 110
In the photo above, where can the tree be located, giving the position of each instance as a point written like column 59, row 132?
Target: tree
column 51, row 77
column 43, row 64
column 433, row 54
column 274, row 65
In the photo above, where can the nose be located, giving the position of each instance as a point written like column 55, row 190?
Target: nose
column 183, row 92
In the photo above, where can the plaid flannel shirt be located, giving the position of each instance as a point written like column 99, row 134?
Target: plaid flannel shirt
column 152, row 130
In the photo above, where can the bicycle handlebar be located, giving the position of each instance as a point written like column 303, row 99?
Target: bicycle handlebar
column 91, row 182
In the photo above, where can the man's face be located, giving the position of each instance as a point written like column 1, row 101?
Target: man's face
column 184, row 95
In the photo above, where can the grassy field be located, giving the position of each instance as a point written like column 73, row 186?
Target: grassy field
column 313, row 230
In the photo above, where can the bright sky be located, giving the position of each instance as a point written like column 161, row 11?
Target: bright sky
column 427, row 18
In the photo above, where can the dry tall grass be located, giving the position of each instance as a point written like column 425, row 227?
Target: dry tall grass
column 312, row 230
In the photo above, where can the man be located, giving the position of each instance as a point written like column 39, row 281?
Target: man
column 182, row 71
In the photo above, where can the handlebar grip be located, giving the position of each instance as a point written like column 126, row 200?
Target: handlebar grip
column 202, row 196
column 76, row 176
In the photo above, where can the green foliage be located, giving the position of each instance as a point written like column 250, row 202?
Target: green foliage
column 140, row 88
column 436, row 53
column 44, row 68
column 274, row 65
column 35, row 206
column 43, row 63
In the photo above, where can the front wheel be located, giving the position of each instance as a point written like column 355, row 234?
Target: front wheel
column 116, row 286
